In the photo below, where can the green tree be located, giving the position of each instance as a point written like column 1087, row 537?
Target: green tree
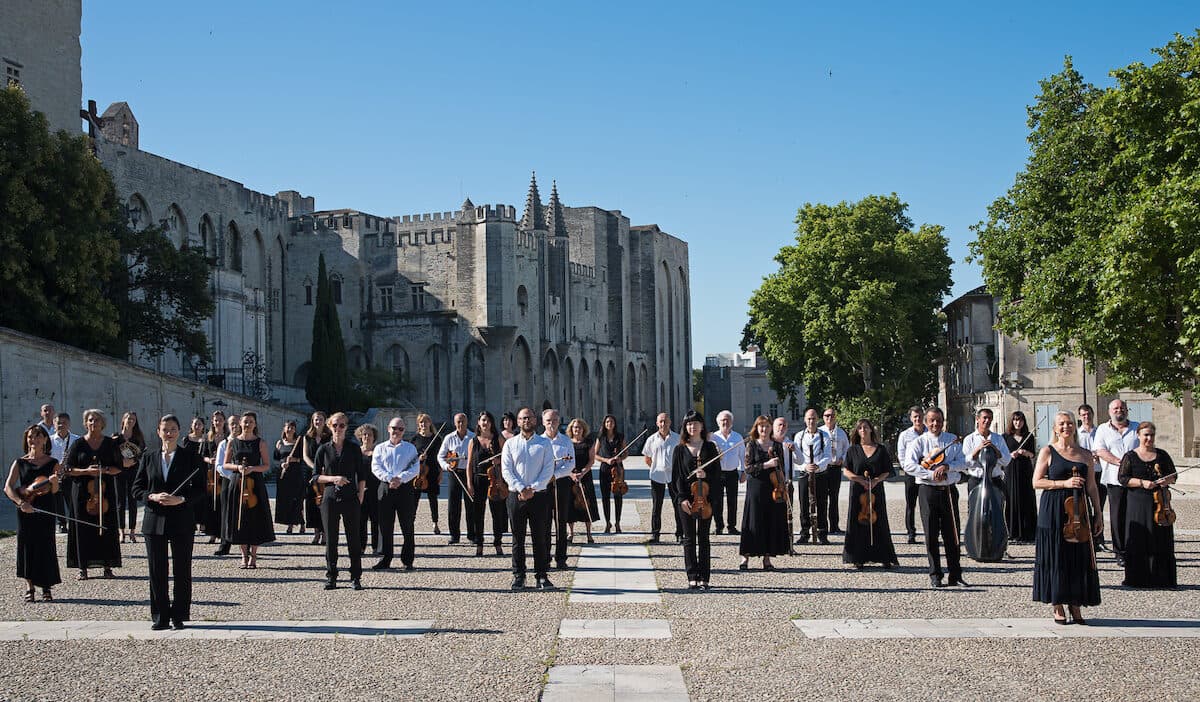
column 852, row 311
column 376, row 387
column 1095, row 249
column 698, row 390
column 59, row 231
column 328, row 386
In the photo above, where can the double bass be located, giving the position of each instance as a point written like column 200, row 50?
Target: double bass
column 986, row 531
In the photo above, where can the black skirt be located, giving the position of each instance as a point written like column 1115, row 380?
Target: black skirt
column 868, row 543
column 1149, row 548
column 246, row 524
column 1062, row 571
column 764, row 521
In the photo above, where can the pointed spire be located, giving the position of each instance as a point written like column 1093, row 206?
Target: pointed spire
column 468, row 205
column 557, row 224
column 534, row 219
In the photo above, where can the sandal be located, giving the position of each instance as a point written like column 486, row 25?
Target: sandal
column 46, row 596
column 29, row 595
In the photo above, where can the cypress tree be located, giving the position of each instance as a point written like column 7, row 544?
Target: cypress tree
column 328, row 386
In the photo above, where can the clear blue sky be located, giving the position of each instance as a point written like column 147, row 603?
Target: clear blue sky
column 714, row 121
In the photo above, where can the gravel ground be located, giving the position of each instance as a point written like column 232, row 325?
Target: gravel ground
column 734, row 642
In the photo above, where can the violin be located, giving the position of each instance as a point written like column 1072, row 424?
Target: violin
column 866, row 507
column 497, row 488
column 1076, row 530
column 619, row 486
column 701, row 507
column 41, row 486
column 318, row 492
column 249, row 497
column 212, row 486
column 1164, row 514
column 96, row 503
column 939, row 457
column 421, row 482
column 779, row 487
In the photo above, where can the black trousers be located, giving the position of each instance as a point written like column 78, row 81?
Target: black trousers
column 349, row 512
column 499, row 509
column 457, row 497
column 432, row 493
column 127, row 507
column 530, row 516
column 937, row 517
column 910, row 505
column 726, row 483
column 1116, row 518
column 697, row 550
column 564, row 497
column 819, row 486
column 606, row 492
column 833, row 489
column 162, row 608
column 657, row 493
column 402, row 503
column 368, row 523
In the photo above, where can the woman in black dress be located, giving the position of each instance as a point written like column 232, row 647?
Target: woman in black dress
column 93, row 464
column 209, row 516
column 1064, row 572
column 1020, row 506
column 608, row 444
column 131, row 433
column 248, row 519
column 508, row 425
column 37, row 550
column 316, row 435
column 481, row 456
column 764, row 521
column 577, row 432
column 427, row 442
column 291, row 487
column 368, row 522
column 694, row 450
column 868, row 465
column 1149, row 544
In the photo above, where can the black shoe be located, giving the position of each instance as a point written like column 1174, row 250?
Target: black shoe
column 330, row 585
column 679, row 538
column 453, row 540
column 936, row 581
column 618, row 528
column 823, row 541
column 499, row 550
column 608, row 528
column 221, row 552
column 743, row 566
column 560, row 566
column 889, row 566
column 958, row 581
column 733, row 530
column 356, row 584
column 177, row 624
column 545, row 584
column 160, row 626
column 409, row 567
column 518, row 582
column 383, row 564
column 1120, row 562
column 479, row 549
column 316, row 539
column 652, row 539
column 835, row 530
column 858, row 566
column 912, row 539
column 704, row 585
column 436, row 530
column 802, row 540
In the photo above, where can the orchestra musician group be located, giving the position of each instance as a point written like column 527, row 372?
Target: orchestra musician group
column 536, row 483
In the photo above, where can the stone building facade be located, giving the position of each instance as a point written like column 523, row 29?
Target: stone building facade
column 985, row 368
column 738, row 382
column 40, row 51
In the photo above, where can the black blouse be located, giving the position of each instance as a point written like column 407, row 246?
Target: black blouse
column 683, row 463
column 1132, row 466
column 756, row 456
column 349, row 465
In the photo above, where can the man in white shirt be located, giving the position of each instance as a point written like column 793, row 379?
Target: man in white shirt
column 779, row 432
column 527, row 462
column 452, row 457
column 561, row 495
column 1114, row 439
column 916, row 415
column 47, row 422
column 972, row 446
column 732, row 473
column 60, row 442
column 657, row 452
column 812, row 450
column 937, row 503
column 839, row 444
column 396, row 462
column 1086, row 436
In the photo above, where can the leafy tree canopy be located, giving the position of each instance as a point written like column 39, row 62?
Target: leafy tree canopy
column 1095, row 249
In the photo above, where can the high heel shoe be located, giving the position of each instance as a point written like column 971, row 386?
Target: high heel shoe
column 590, row 539
column 132, row 538
column 29, row 595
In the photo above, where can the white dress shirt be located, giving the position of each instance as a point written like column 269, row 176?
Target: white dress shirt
column 973, row 466
column 906, row 437
column 926, row 444
column 1086, row 440
column 660, row 450
column 563, row 448
column 812, row 448
column 220, row 460
column 390, row 460
column 1116, row 442
column 839, row 444
column 166, row 463
column 457, row 444
column 736, row 458
column 527, row 463
column 59, row 446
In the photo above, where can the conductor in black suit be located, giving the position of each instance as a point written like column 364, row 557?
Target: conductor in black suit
column 170, row 481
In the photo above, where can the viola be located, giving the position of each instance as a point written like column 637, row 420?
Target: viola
column 497, row 487
column 1076, row 529
column 1164, row 514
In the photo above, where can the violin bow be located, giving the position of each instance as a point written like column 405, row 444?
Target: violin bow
column 715, row 459
column 629, row 444
column 430, row 445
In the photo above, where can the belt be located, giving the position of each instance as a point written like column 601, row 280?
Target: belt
column 935, row 487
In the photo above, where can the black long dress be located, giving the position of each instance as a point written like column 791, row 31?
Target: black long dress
column 312, row 512
column 764, row 521
column 590, row 512
column 1020, row 505
column 369, row 515
column 37, row 549
column 607, row 448
column 1149, row 548
column 1062, row 571
column 208, row 515
column 868, row 543
column 426, row 446
column 291, row 486
column 256, row 527
column 88, row 546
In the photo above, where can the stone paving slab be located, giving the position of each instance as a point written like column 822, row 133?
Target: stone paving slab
column 614, row 629
column 614, row 573
column 73, row 630
column 628, row 683
column 995, row 628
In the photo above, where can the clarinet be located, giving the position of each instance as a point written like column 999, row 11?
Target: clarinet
column 812, row 497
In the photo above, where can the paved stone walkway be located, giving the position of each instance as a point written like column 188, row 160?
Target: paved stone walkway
column 614, row 573
column 324, row 629
column 614, row 629
column 1043, row 628
column 628, row 683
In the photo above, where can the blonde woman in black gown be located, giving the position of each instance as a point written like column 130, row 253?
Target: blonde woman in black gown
column 37, row 550
column 93, row 463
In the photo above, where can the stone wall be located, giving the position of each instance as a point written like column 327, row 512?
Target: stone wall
column 39, row 48
column 34, row 371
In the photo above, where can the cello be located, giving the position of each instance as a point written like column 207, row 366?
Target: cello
column 987, row 531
